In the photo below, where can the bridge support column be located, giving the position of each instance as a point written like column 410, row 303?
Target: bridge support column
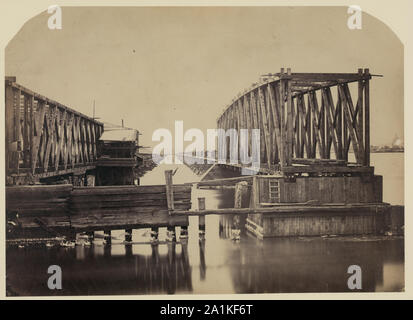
column 108, row 237
column 184, row 233
column 202, row 264
column 201, row 228
column 91, row 236
column 240, row 189
column 154, row 235
column 201, row 222
column 128, row 235
column 171, row 235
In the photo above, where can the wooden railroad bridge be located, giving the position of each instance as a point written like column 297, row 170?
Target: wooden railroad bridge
column 46, row 139
column 308, row 122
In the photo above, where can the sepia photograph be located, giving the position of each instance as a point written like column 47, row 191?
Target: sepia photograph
column 191, row 150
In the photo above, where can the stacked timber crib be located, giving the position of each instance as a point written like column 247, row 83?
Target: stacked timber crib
column 43, row 211
column 313, row 206
column 123, row 207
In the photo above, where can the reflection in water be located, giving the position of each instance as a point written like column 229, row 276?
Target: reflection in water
column 85, row 272
column 218, row 265
column 202, row 265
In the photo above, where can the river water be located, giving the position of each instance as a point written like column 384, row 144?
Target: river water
column 218, row 265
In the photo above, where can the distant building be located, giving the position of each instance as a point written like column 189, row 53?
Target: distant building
column 397, row 145
column 118, row 149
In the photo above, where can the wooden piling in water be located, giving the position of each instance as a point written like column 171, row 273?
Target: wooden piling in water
column 171, row 236
column 91, row 235
column 169, row 190
column 128, row 235
column 201, row 222
column 108, row 236
column 184, row 233
column 154, row 234
column 236, row 225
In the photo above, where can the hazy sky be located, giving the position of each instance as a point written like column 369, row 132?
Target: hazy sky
column 151, row 66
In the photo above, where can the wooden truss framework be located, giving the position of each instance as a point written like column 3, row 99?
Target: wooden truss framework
column 45, row 138
column 306, row 120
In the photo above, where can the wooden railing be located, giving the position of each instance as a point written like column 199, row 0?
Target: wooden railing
column 45, row 138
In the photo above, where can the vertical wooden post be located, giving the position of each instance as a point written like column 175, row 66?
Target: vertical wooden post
column 282, row 115
column 108, row 236
column 169, row 190
column 91, row 235
column 154, row 235
column 367, row 118
column 328, row 124
column 18, row 133
column 202, row 264
column 313, row 117
column 184, row 233
column 290, row 132
column 171, row 235
column 31, row 138
column 128, row 235
column 265, row 126
column 9, row 124
column 255, row 193
column 26, row 147
column 235, row 226
column 201, row 223
column 346, row 141
column 322, row 126
column 339, row 126
column 360, row 113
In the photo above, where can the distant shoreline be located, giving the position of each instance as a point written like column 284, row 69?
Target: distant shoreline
column 384, row 151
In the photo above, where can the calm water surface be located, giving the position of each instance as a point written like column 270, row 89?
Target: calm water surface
column 219, row 265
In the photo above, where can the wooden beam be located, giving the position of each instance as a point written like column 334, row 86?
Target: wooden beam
column 9, row 105
column 60, row 136
column 291, row 209
column 360, row 114
column 327, row 169
column 265, row 127
column 38, row 125
column 169, row 190
column 317, row 130
column 26, row 133
column 322, row 76
column 332, row 133
column 273, row 101
column 306, row 161
column 350, row 127
column 283, row 126
column 38, row 96
column 289, row 120
column 367, row 119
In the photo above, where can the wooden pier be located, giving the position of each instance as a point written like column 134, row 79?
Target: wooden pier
column 64, row 210
column 273, row 206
